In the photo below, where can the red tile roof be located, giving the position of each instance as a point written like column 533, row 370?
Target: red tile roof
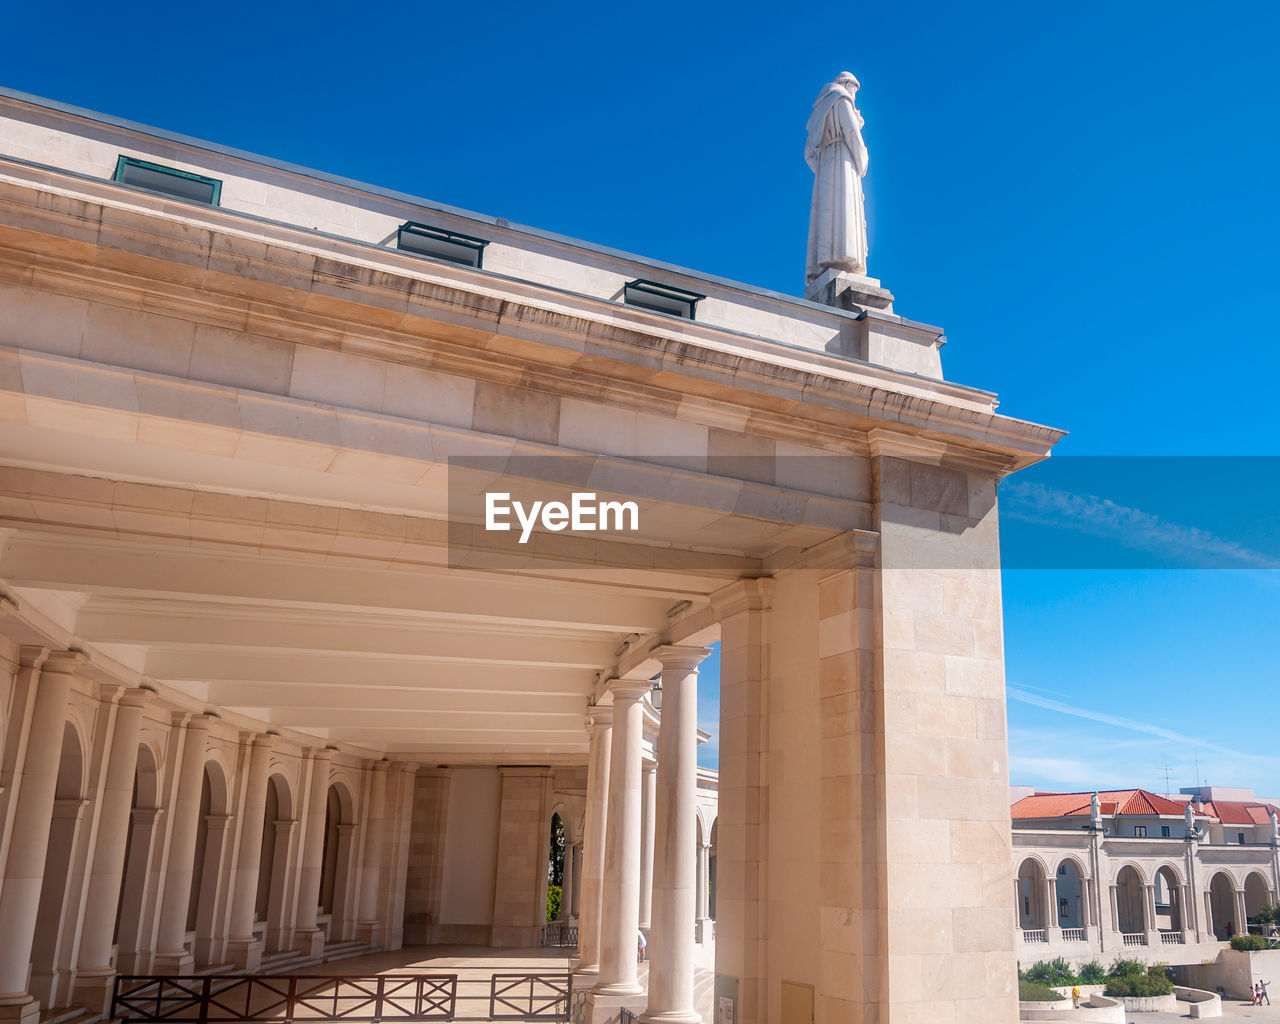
column 1239, row 812
column 1113, row 801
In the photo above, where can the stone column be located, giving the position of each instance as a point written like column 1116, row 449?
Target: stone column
column 53, row 676
column 620, row 905
column 374, row 839
column 566, row 885
column 600, row 730
column 648, row 796
column 1149, row 914
column 172, row 956
column 1115, row 908
column 94, row 973
column 310, row 939
column 245, row 949
column 1242, row 921
column 702, row 897
column 1052, row 928
column 675, row 876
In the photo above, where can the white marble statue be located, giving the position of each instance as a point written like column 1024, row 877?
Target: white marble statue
column 1275, row 828
column 1095, row 811
column 838, row 157
column 1189, row 815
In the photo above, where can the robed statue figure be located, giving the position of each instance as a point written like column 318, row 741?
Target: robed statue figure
column 838, row 157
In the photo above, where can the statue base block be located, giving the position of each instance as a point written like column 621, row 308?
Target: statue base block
column 844, row 290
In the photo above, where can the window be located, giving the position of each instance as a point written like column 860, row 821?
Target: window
column 1140, row 831
column 661, row 298
column 443, row 245
column 167, row 181
column 1164, row 831
column 1240, row 838
column 1064, row 908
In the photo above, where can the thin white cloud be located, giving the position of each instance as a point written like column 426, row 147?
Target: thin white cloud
column 1101, row 517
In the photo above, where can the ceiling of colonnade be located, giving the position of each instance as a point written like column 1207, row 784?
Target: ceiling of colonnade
column 342, row 623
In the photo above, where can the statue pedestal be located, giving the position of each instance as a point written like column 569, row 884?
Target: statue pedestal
column 844, row 290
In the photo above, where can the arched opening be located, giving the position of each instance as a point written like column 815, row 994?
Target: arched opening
column 139, row 841
column 1257, row 894
column 336, row 861
column 1131, row 912
column 210, row 833
column 1222, row 906
column 556, row 852
column 711, row 872
column 1031, row 893
column 1070, row 888
column 1168, row 897
column 51, row 947
column 273, row 862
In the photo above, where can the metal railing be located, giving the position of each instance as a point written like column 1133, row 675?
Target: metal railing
column 1134, row 938
column 559, row 933
column 1034, row 935
column 1073, row 935
column 626, row 1016
column 233, row 999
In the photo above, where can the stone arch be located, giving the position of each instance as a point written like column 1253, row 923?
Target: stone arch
column 1167, row 892
column 1222, row 905
column 273, row 860
column 1069, row 884
column 1032, row 913
column 336, row 890
column 1257, row 893
column 211, row 830
column 1131, row 902
column 51, row 945
column 558, row 854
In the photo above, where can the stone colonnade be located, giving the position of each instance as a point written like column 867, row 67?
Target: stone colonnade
column 141, row 838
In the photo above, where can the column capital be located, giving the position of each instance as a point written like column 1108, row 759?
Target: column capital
column 200, row 722
column 628, row 689
column 69, row 662
column 409, row 767
column 599, row 715
column 136, row 697
column 375, row 764
column 32, row 656
column 322, row 753
column 145, row 815
column 742, row 596
column 678, row 658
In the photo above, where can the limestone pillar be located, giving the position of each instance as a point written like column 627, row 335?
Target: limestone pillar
column 245, row 949
column 566, row 885
column 648, row 796
column 620, row 905
column 702, row 898
column 742, row 878
column 1052, row 928
column 310, row 939
column 94, row 973
column 600, row 731
column 1242, row 921
column 675, row 875
column 1115, row 908
column 172, row 956
column 53, row 676
column 374, row 839
column 1150, row 923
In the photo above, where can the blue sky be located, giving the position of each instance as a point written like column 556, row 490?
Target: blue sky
column 1084, row 195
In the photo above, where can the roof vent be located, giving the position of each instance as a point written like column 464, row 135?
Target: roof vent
column 168, row 181
column 441, row 244
column 661, row 298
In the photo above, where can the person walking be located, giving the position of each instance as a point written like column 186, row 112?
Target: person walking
column 642, row 946
column 1262, row 992
column 1075, row 997
column 1257, row 996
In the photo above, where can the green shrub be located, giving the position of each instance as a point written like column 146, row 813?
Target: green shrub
column 1034, row 992
column 1140, row 985
column 1246, row 942
column 1267, row 913
column 1052, row 972
column 553, row 902
column 1122, row 968
column 1092, row 973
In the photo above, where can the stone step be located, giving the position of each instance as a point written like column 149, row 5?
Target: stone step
column 68, row 1015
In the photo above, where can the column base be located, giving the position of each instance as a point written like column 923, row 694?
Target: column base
column 19, row 1008
column 605, row 1007
column 367, row 932
column 310, row 943
column 672, row 1017
column 245, row 953
column 177, row 964
column 93, row 989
